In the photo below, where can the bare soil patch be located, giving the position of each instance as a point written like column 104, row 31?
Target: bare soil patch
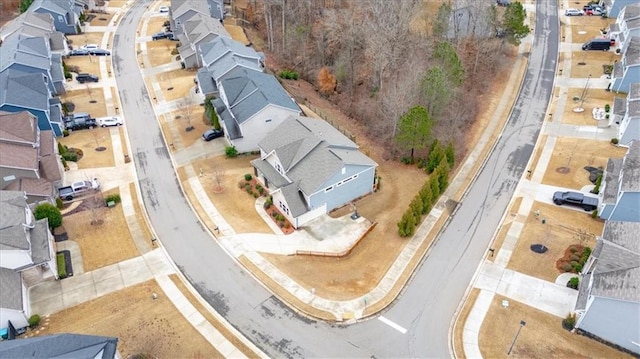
column 100, row 19
column 160, row 333
column 87, row 99
column 179, row 81
column 159, row 51
column 541, row 337
column 88, row 140
column 574, row 154
column 563, row 227
column 104, row 244
column 234, row 204
column 595, row 98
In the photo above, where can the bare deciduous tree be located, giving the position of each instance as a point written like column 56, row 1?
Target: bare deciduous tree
column 95, row 204
column 185, row 107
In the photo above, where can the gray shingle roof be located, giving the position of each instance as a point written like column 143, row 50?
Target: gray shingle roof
column 634, row 92
column 631, row 11
column 205, row 81
column 217, row 48
column 28, row 51
column 40, row 252
column 295, row 200
column 61, row 346
column 614, row 165
column 58, row 7
column 631, row 169
column 233, row 130
column 180, row 8
column 251, row 91
column 269, row 172
column 619, row 106
column 633, row 108
column 10, row 292
column 311, row 151
column 28, row 91
column 29, row 23
column 12, row 217
column 632, row 55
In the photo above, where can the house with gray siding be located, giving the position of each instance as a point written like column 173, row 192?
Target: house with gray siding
column 29, row 92
column 310, row 168
column 620, row 189
column 65, row 14
column 627, row 70
column 608, row 304
column 626, row 26
column 198, row 30
column 629, row 117
column 32, row 24
column 29, row 161
column 26, row 244
column 61, row 346
column 220, row 57
column 250, row 105
column 183, row 10
column 216, row 9
column 614, row 7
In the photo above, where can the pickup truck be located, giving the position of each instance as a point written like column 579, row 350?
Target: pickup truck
column 577, row 199
column 67, row 193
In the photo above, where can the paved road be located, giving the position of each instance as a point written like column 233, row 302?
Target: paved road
column 417, row 324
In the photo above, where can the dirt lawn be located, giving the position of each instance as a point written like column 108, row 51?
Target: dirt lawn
column 87, row 99
column 587, row 63
column 159, row 51
column 575, row 154
column 594, row 98
column 88, row 64
column 563, row 227
column 541, row 337
column 88, row 141
column 179, row 81
column 103, row 244
column 158, row 330
column 181, row 122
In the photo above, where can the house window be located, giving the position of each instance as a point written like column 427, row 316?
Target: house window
column 60, row 18
column 278, row 168
column 267, row 120
column 328, row 189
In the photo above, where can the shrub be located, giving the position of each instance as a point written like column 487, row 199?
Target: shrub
column 248, row 177
column 436, row 154
column 24, row 5
column 266, row 205
column 435, row 188
column 569, row 322
column 607, row 108
column 64, row 163
column 65, row 133
column 407, row 225
column 614, row 141
column 230, row 151
column 596, row 189
column 174, row 51
column 573, row 283
column 567, row 267
column 586, row 252
column 288, row 74
column 115, row 198
column 59, row 204
column 61, row 149
column 577, row 267
column 279, row 217
column 574, row 257
column 274, row 213
column 34, row 320
column 49, row 211
column 407, row 160
column 260, row 190
column 287, row 225
column 594, row 214
column 70, row 156
column 573, row 249
column 79, row 152
column 256, row 195
column 62, row 268
column 450, row 154
column 249, row 190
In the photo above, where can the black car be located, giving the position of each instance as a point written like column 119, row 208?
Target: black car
column 99, row 52
column 576, row 199
column 79, row 52
column 212, row 134
column 84, row 77
column 79, row 123
column 160, row 35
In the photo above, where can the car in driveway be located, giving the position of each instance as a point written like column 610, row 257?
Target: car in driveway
column 576, row 199
column 594, row 12
column 90, row 46
column 109, row 121
column 79, row 52
column 211, row 134
column 573, row 12
column 79, row 121
column 84, row 77
column 160, row 35
column 99, row 52
column 164, row 9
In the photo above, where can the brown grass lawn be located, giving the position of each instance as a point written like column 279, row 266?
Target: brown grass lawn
column 541, row 337
column 590, row 25
column 159, row 51
column 197, row 121
column 83, row 99
column 100, row 19
column 88, row 64
column 102, row 244
column 236, row 206
column 460, row 320
column 576, row 154
column 594, row 98
column 88, row 141
column 180, row 80
column 86, row 38
column 142, row 324
column 155, row 23
column 587, row 63
column 562, row 228
column 237, row 33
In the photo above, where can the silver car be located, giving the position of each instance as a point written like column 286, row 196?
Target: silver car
column 573, row 12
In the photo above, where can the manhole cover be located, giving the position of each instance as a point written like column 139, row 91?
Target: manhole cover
column 563, row 169
column 100, row 149
column 538, row 248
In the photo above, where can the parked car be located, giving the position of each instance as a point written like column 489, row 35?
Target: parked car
column 211, row 134
column 573, row 12
column 503, row 2
column 160, row 35
column 99, row 52
column 591, row 7
column 109, row 121
column 90, row 46
column 594, row 12
column 79, row 121
column 84, row 77
column 79, row 52
column 575, row 198
column 164, row 9
column 67, row 193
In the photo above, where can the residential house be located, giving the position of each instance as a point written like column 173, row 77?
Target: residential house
column 608, row 304
column 32, row 55
column 310, row 168
column 29, row 161
column 33, row 24
column 626, row 26
column 620, row 189
column 220, row 57
column 182, row 10
column 26, row 245
column 627, row 70
column 251, row 103
column 614, row 7
column 65, row 14
column 216, row 9
column 20, row 91
column 198, row 30
column 61, row 346
column 629, row 116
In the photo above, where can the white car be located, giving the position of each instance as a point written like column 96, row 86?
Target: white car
column 164, row 9
column 573, row 12
column 109, row 121
column 90, row 47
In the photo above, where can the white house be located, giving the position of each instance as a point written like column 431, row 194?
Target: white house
column 608, row 304
column 629, row 117
column 620, row 190
column 626, row 26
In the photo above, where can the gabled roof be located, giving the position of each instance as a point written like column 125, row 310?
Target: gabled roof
column 632, row 55
column 251, row 91
column 13, row 206
column 612, row 174
column 216, row 8
column 10, row 292
column 61, row 7
column 230, row 61
column 634, row 92
column 28, row 91
column 200, row 26
column 18, row 127
column 631, row 11
column 181, row 7
column 631, row 169
column 311, row 151
column 41, row 187
column 61, row 346
column 221, row 46
column 30, row 24
column 28, row 51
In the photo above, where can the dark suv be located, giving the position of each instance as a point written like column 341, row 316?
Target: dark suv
column 84, row 77
column 211, row 134
column 79, row 121
column 576, row 199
